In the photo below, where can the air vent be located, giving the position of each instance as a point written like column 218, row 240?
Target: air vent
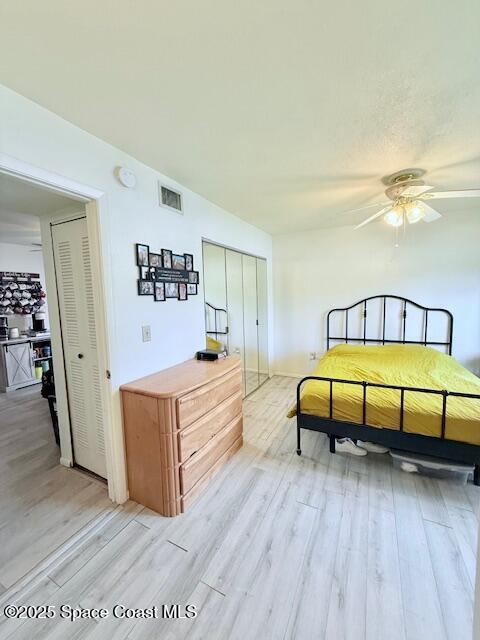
column 170, row 198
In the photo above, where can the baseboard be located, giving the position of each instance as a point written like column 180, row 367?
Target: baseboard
column 263, row 373
column 290, row 374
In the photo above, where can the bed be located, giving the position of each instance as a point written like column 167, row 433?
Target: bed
column 401, row 392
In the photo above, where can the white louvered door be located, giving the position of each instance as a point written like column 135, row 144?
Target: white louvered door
column 77, row 315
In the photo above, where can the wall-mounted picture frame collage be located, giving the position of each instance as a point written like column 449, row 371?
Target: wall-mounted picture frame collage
column 165, row 275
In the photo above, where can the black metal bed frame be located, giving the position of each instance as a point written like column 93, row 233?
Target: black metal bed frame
column 430, row 445
column 383, row 339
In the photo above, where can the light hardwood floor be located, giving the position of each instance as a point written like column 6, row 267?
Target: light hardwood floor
column 279, row 546
column 42, row 504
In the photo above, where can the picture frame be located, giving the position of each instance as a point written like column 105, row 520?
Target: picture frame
column 166, row 258
column 178, row 262
column 152, row 273
column 145, row 288
column 192, row 289
column 193, row 277
column 144, row 273
column 143, row 251
column 159, row 291
column 155, row 259
column 171, row 290
column 188, row 261
column 182, row 291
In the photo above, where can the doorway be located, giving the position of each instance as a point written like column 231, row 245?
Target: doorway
column 236, row 309
column 44, row 502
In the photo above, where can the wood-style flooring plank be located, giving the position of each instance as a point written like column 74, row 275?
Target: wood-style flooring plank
column 384, row 612
column 455, row 494
column 258, row 597
column 431, row 500
column 309, row 608
column 380, row 492
column 93, row 542
column 422, row 609
column 453, row 583
column 347, row 606
column 42, row 592
column 42, row 504
column 73, row 509
column 277, row 547
column 308, row 472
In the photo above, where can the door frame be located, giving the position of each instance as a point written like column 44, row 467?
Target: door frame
column 96, row 210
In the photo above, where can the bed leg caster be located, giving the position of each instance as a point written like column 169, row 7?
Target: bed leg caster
column 476, row 475
column 332, row 444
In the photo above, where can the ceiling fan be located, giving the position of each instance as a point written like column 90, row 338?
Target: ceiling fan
column 408, row 197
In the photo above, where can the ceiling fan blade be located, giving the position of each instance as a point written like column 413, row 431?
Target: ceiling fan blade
column 430, row 214
column 367, row 206
column 375, row 215
column 415, row 190
column 463, row 193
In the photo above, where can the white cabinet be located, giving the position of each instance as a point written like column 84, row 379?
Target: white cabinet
column 16, row 365
column 19, row 364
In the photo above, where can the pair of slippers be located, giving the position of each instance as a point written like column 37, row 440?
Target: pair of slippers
column 347, row 445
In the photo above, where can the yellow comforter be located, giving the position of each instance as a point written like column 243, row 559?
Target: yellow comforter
column 403, row 365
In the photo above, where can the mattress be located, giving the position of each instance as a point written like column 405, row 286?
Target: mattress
column 402, row 365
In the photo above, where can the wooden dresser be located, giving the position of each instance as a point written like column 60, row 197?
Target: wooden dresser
column 181, row 426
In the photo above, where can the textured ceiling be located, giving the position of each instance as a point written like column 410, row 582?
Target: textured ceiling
column 283, row 112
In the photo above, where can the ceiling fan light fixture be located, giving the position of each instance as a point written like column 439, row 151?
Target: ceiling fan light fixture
column 409, row 197
column 415, row 212
column 394, row 217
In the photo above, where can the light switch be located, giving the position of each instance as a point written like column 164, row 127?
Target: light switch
column 146, row 333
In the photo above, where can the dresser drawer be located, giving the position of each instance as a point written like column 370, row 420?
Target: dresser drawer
column 199, row 464
column 194, row 405
column 194, row 492
column 196, row 435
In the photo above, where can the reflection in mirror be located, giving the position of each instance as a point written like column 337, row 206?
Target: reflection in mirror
column 215, row 296
column 262, row 307
column 235, row 307
column 249, row 264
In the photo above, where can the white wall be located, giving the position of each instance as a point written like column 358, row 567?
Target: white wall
column 436, row 264
column 36, row 136
column 19, row 257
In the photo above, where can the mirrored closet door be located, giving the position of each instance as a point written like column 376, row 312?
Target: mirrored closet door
column 262, row 316
column 250, row 323
column 234, row 280
column 216, row 302
column 236, row 316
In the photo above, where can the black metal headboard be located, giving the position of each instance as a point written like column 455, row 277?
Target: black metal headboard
column 403, row 319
